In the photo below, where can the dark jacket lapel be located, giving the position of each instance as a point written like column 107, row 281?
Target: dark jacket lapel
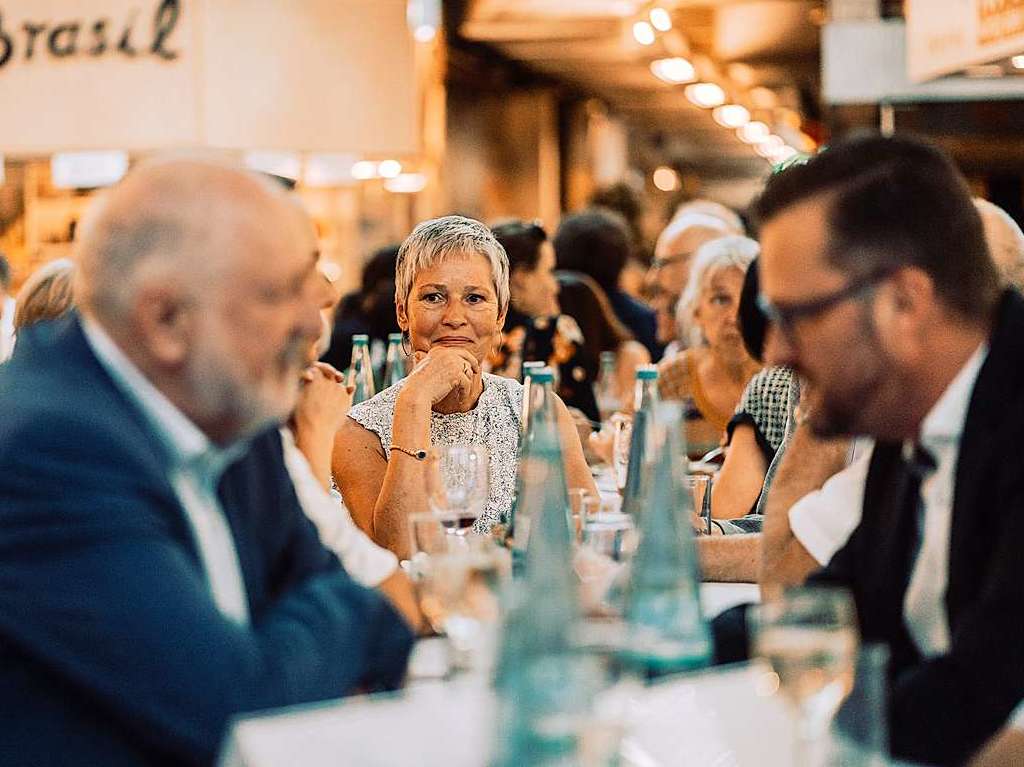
column 999, row 383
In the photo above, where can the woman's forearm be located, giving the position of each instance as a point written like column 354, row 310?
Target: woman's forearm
column 403, row 491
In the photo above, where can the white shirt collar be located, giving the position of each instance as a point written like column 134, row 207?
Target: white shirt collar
column 184, row 442
column 945, row 421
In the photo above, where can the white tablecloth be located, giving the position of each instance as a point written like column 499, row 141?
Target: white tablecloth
column 704, row 719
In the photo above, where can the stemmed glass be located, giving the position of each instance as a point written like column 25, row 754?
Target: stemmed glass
column 459, row 576
column 457, row 480
column 809, row 637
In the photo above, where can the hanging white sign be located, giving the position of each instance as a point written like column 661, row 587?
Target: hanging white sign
column 945, row 36
column 140, row 75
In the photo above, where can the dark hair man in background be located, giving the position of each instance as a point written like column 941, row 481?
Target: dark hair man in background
column 597, row 242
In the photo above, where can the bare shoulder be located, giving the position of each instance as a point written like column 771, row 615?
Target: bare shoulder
column 354, row 439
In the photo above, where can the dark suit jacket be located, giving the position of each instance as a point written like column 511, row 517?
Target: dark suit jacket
column 112, row 651
column 942, row 709
column 639, row 318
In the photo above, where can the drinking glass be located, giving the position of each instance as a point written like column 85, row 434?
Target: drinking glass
column 583, row 504
column 622, row 433
column 459, row 577
column 609, row 541
column 809, row 637
column 457, row 480
column 699, row 486
column 859, row 737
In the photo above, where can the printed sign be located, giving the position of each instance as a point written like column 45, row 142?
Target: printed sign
column 945, row 36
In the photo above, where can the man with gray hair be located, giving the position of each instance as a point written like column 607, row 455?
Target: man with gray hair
column 160, row 576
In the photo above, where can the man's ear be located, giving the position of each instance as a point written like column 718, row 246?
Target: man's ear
column 165, row 322
column 904, row 308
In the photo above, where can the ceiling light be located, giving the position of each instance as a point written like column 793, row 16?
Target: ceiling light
column 424, row 33
column 389, row 168
column 731, row 116
column 666, row 179
column 86, row 170
column 770, row 146
column 406, row 183
column 660, row 19
column 643, row 33
column 705, row 95
column 1018, row 62
column 674, row 70
column 364, row 170
column 753, row 132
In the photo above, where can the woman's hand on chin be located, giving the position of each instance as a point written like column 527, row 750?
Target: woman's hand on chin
column 439, row 372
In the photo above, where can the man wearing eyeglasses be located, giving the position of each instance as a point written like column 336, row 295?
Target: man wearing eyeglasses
column 881, row 293
column 690, row 228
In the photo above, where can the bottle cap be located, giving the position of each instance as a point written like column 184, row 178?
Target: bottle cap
column 394, row 338
column 542, row 375
column 647, row 372
column 360, row 339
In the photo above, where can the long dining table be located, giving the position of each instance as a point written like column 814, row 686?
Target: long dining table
column 725, row 717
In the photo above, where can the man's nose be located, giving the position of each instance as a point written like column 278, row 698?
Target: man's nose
column 778, row 349
column 317, row 296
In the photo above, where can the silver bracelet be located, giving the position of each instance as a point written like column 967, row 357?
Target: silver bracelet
column 419, row 455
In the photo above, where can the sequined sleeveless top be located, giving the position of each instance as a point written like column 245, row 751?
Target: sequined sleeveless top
column 494, row 423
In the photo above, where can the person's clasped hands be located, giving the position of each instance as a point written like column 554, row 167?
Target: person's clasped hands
column 442, row 371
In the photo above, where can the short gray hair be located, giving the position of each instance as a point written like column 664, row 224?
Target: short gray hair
column 435, row 240
column 712, row 257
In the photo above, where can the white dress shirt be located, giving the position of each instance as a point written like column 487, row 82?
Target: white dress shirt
column 924, row 607
column 195, row 466
column 824, row 519
column 365, row 561
column 7, row 309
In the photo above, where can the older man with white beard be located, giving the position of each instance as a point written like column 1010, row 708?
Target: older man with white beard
column 159, row 575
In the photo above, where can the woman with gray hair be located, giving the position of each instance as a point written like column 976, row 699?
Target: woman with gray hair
column 710, row 376
column 451, row 298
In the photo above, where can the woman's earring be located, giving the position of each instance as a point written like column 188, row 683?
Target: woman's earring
column 406, row 342
column 501, row 342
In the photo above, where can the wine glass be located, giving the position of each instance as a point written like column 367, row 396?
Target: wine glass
column 459, row 577
column 809, row 637
column 457, row 480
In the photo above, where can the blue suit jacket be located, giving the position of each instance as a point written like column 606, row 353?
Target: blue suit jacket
column 112, row 651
